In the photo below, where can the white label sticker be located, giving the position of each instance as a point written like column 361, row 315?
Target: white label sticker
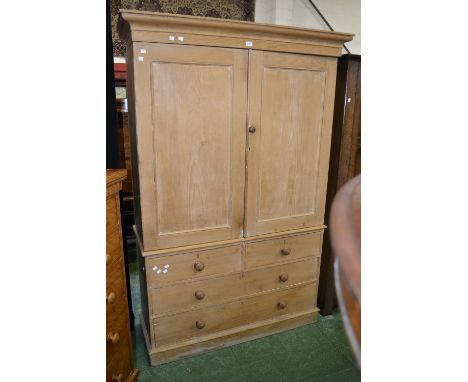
column 180, row 38
column 159, row 271
column 165, row 271
column 166, row 266
column 143, row 51
column 248, row 43
column 140, row 58
column 349, row 100
column 171, row 38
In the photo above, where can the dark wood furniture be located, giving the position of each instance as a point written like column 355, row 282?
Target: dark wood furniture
column 345, row 161
column 128, row 214
column 345, row 234
column 119, row 363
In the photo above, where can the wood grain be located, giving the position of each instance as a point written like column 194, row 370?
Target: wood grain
column 197, row 195
column 118, row 343
column 290, row 105
column 169, row 269
column 266, row 252
column 157, row 27
column 171, row 328
column 217, row 290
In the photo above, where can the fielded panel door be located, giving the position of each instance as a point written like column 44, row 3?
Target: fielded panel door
column 191, row 132
column 290, row 111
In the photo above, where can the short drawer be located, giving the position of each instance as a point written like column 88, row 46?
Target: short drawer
column 215, row 290
column 113, row 249
column 186, row 266
column 283, row 249
column 116, row 298
column 112, row 211
column 118, row 338
column 200, row 322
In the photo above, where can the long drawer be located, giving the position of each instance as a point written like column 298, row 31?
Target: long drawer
column 274, row 251
column 215, row 290
column 197, row 323
column 164, row 270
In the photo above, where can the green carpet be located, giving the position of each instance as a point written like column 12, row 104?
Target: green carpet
column 317, row 352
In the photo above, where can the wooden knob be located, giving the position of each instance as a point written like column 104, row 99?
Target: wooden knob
column 200, row 324
column 285, row 251
column 252, row 129
column 110, row 298
column 117, row 378
column 281, row 305
column 199, row 266
column 108, row 259
column 114, row 338
column 283, row 277
column 200, row 295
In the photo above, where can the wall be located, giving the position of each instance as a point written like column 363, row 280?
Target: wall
column 342, row 15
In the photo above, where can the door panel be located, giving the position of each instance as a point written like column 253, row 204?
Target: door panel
column 290, row 106
column 194, row 149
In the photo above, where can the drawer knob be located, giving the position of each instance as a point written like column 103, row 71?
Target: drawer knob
column 114, row 338
column 252, row 129
column 281, row 305
column 200, row 295
column 200, row 324
column 108, row 259
column 117, row 378
column 283, row 277
column 199, row 266
column 110, row 298
column 285, row 251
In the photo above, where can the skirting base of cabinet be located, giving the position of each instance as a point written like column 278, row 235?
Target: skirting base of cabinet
column 226, row 338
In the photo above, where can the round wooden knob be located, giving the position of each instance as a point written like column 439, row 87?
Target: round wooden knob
column 114, row 338
column 200, row 295
column 108, row 259
column 200, row 324
column 110, row 297
column 199, row 266
column 281, row 305
column 285, row 251
column 252, row 129
column 283, row 277
column 117, row 378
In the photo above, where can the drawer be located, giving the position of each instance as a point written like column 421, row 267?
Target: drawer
column 283, row 249
column 113, row 248
column 116, row 298
column 168, row 269
column 215, row 290
column 112, row 211
column 200, row 322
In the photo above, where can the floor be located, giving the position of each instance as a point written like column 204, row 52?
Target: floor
column 317, row 352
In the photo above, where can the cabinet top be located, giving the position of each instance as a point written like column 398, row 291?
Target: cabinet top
column 141, row 26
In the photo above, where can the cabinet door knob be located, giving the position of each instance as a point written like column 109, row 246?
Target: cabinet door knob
column 110, row 297
column 282, row 305
column 114, row 338
column 108, row 259
column 117, row 378
column 252, row 129
column 200, row 324
column 199, row 266
column 283, row 277
column 285, row 251
column 200, row 295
